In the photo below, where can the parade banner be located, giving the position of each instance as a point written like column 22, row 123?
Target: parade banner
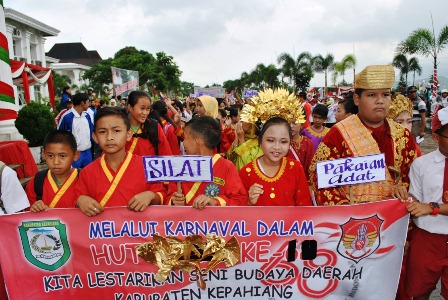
column 124, row 81
column 250, row 93
column 178, row 168
column 217, row 92
column 337, row 252
column 351, row 170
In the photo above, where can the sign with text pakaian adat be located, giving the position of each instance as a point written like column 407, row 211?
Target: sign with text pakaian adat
column 351, row 170
column 178, row 168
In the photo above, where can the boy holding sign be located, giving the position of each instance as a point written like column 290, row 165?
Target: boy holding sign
column 109, row 187
column 366, row 133
column 202, row 135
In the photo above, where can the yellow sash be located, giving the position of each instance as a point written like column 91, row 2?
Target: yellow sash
column 360, row 141
column 134, row 141
column 60, row 192
column 114, row 181
column 196, row 185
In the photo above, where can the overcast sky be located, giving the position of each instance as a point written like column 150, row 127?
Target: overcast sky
column 213, row 41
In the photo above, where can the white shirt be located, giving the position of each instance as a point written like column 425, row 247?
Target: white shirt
column 426, row 177
column 331, row 118
column 13, row 196
column 81, row 130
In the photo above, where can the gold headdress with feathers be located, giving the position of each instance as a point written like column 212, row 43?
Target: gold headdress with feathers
column 273, row 103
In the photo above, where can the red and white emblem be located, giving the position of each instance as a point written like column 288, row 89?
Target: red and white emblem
column 360, row 238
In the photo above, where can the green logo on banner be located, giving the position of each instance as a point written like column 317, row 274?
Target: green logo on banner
column 45, row 243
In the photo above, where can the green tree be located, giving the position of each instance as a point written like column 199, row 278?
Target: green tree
column 160, row 71
column 60, row 82
column 186, row 88
column 405, row 66
column 414, row 66
column 347, row 62
column 271, row 76
column 323, row 65
column 401, row 62
column 299, row 70
column 424, row 42
column 165, row 74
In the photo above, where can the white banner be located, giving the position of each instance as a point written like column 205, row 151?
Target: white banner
column 217, row 92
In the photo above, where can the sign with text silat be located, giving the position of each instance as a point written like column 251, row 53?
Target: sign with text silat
column 351, row 170
column 178, row 168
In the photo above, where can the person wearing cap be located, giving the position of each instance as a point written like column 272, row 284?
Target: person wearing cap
column 366, row 133
column 429, row 194
column 441, row 101
column 419, row 125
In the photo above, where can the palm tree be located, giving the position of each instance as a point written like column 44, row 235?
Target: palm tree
column 323, row 64
column 299, row 70
column 271, row 76
column 405, row 66
column 347, row 62
column 414, row 66
column 424, row 42
column 401, row 62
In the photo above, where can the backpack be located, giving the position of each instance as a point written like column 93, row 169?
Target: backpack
column 39, row 179
column 39, row 183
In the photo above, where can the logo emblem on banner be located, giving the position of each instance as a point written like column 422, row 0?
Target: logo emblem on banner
column 45, row 243
column 360, row 238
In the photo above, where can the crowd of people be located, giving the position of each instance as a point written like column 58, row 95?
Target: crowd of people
column 264, row 152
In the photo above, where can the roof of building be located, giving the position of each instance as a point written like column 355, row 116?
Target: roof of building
column 74, row 53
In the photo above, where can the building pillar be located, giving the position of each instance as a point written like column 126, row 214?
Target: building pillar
column 42, row 41
column 9, row 31
column 76, row 74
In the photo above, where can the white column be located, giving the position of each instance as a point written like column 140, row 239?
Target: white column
column 76, row 77
column 9, row 31
column 42, row 51
column 44, row 87
column 27, row 52
column 27, row 55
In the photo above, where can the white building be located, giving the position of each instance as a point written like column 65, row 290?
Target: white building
column 73, row 61
column 26, row 41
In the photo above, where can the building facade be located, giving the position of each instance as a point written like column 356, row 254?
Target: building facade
column 26, row 42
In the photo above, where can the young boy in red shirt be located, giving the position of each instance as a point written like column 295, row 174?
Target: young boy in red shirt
column 54, row 187
column 202, row 135
column 117, row 178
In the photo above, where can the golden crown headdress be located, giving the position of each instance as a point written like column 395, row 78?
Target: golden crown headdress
column 273, row 103
column 399, row 104
column 375, row 77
